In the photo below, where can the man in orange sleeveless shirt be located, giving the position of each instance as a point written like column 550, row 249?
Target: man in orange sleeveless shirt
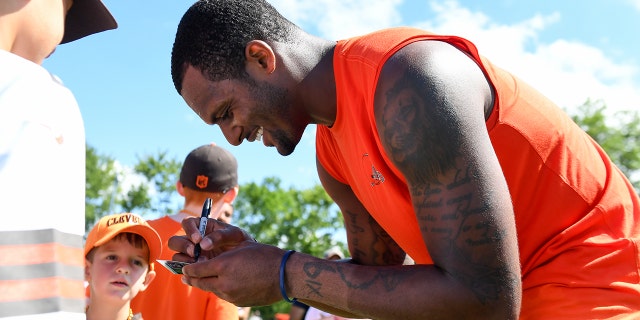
column 508, row 208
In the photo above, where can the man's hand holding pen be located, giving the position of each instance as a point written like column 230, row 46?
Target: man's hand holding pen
column 225, row 266
column 228, row 263
column 225, row 237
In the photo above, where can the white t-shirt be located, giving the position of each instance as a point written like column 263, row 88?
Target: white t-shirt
column 42, row 194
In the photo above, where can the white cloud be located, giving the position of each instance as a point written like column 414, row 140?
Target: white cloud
column 567, row 72
column 578, row 71
column 338, row 19
column 635, row 3
column 128, row 179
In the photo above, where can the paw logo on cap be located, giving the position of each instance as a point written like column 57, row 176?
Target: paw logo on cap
column 202, row 181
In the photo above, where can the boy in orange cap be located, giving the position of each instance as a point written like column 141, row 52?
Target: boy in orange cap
column 119, row 251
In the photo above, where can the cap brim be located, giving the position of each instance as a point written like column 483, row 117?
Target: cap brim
column 86, row 17
column 150, row 236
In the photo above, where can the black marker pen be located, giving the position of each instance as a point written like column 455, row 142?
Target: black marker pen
column 206, row 209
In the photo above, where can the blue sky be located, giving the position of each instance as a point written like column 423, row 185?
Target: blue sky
column 571, row 50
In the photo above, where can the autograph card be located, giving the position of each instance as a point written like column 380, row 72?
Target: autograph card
column 173, row 266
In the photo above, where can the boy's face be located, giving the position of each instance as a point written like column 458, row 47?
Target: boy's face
column 118, row 271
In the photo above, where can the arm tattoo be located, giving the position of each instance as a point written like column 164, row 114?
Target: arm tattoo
column 371, row 245
column 379, row 248
column 414, row 135
column 425, row 143
column 388, row 279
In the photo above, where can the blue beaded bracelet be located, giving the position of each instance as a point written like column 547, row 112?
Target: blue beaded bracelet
column 283, row 263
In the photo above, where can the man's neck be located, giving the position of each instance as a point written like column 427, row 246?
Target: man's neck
column 315, row 63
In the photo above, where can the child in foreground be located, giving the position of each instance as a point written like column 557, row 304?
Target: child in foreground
column 119, row 252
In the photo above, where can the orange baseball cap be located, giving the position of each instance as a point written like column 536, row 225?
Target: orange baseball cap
column 112, row 225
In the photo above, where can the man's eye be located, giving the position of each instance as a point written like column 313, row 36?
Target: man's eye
column 224, row 116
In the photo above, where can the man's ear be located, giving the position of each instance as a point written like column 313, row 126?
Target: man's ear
column 260, row 57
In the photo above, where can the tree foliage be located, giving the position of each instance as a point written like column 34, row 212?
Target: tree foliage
column 301, row 220
column 618, row 134
column 161, row 173
column 101, row 186
column 146, row 189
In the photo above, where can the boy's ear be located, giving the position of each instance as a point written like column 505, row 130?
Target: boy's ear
column 231, row 195
column 180, row 188
column 87, row 273
column 151, row 274
column 227, row 198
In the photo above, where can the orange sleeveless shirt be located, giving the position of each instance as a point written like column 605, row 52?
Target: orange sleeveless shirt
column 577, row 216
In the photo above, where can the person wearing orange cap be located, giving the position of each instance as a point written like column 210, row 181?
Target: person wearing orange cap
column 42, row 147
column 208, row 171
column 119, row 251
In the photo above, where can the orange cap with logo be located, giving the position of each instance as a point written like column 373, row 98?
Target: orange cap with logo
column 110, row 226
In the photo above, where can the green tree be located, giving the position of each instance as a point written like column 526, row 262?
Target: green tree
column 136, row 199
column 161, row 173
column 303, row 220
column 618, row 134
column 149, row 188
column 101, row 186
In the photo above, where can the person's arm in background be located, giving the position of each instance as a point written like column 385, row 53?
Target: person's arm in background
column 298, row 311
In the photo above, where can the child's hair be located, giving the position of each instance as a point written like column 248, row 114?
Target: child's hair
column 134, row 239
